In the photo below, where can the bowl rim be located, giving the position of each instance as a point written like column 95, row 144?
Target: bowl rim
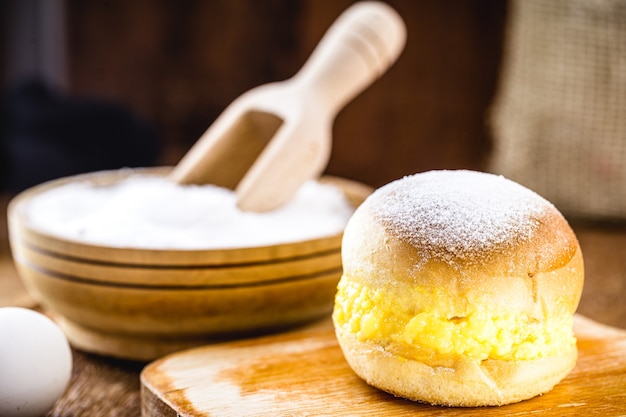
column 21, row 230
column 173, row 275
column 55, row 276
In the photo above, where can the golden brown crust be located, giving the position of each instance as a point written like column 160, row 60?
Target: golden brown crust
column 469, row 220
column 469, row 383
column 535, row 269
column 517, row 278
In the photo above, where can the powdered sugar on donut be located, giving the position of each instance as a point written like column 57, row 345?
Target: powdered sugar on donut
column 458, row 214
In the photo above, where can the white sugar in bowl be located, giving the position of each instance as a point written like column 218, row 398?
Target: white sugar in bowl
column 137, row 302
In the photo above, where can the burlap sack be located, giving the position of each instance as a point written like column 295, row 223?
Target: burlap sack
column 559, row 117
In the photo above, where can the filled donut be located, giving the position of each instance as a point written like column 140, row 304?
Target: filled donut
column 459, row 288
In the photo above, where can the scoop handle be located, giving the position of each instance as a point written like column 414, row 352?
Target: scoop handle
column 357, row 48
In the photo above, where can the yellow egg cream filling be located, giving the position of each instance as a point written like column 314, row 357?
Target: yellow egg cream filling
column 423, row 325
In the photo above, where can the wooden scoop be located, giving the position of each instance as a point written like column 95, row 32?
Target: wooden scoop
column 276, row 136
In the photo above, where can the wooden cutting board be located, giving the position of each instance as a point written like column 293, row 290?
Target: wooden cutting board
column 303, row 373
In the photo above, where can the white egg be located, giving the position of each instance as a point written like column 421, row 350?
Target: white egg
column 35, row 363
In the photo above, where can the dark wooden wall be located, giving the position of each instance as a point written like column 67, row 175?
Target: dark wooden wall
column 178, row 64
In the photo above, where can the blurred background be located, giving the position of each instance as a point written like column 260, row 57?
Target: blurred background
column 100, row 84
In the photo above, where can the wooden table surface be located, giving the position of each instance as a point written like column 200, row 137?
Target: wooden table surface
column 107, row 387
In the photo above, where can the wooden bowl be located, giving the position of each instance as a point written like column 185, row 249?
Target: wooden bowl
column 143, row 303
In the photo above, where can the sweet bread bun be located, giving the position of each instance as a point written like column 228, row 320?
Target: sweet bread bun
column 459, row 288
